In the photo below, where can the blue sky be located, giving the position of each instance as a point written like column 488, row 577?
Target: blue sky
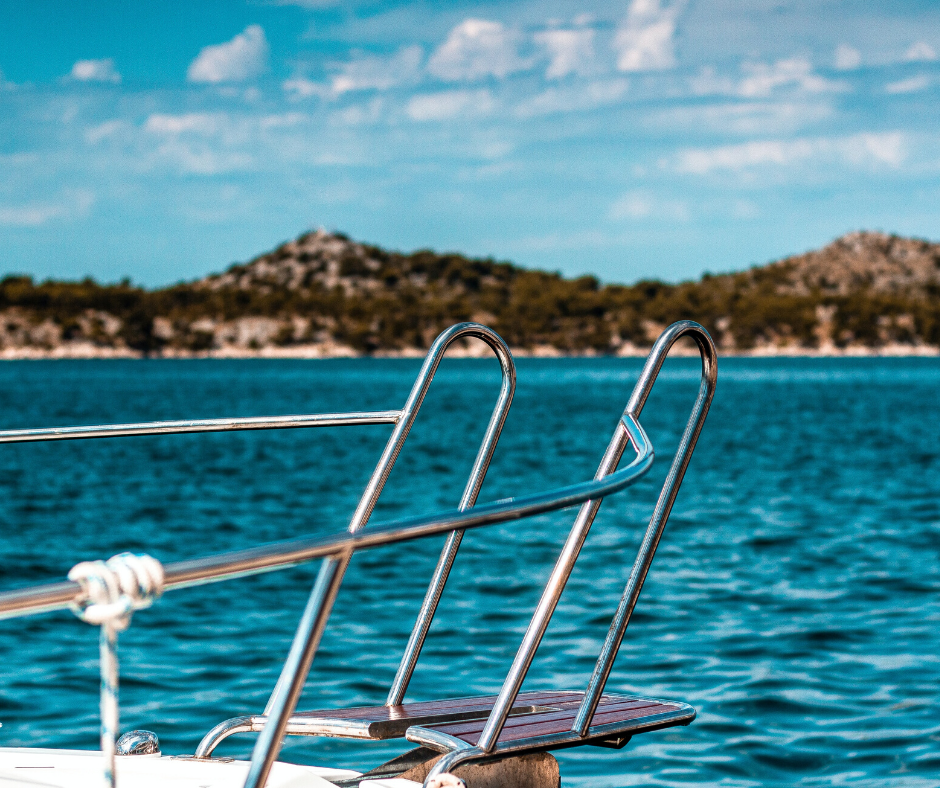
column 636, row 139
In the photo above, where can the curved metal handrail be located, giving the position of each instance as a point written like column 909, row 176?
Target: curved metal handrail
column 201, row 425
column 664, row 504
column 306, row 639
column 293, row 552
column 489, row 736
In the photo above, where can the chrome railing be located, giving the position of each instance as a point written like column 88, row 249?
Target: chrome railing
column 489, row 737
column 294, row 673
column 202, row 425
column 338, row 550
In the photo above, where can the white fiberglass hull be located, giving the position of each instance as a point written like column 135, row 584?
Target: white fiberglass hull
column 24, row 767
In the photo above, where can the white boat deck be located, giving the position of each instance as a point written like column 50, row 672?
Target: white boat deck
column 42, row 768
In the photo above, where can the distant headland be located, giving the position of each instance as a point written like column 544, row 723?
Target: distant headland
column 325, row 295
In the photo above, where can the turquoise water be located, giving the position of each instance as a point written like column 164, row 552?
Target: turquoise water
column 793, row 600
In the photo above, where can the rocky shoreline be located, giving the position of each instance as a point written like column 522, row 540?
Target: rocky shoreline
column 87, row 351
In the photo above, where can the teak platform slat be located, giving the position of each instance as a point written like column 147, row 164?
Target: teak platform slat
column 543, row 716
column 391, row 722
column 617, row 719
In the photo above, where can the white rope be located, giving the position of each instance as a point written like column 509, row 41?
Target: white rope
column 112, row 592
column 445, row 780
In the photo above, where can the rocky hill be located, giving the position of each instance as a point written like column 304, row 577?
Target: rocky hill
column 875, row 262
column 324, row 294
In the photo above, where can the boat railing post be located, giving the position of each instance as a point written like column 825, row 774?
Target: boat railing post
column 549, row 599
column 296, row 668
column 396, row 440
column 283, row 699
column 582, row 525
column 564, row 565
column 432, row 597
column 667, row 497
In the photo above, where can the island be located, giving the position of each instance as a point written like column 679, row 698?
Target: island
column 325, row 295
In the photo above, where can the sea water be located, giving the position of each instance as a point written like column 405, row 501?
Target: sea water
column 793, row 601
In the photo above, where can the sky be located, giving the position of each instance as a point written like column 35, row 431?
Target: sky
column 630, row 140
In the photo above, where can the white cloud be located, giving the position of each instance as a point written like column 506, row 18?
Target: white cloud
column 920, row 51
column 286, row 121
column 570, row 51
column 450, row 104
column 750, row 117
column 27, row 215
column 641, row 205
column 240, row 59
column 635, row 205
column 884, row 148
column 910, row 85
column 477, row 48
column 69, row 206
column 302, row 87
column 760, row 80
column 198, row 122
column 863, row 149
column 377, row 73
column 577, row 98
column 362, row 114
column 763, row 79
column 708, row 83
column 847, row 58
column 644, row 41
column 95, row 71
column 365, row 73
column 201, row 143
column 202, row 160
column 701, row 161
column 103, row 131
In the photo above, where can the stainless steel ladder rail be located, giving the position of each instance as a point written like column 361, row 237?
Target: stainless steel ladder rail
column 664, row 504
column 569, row 554
column 283, row 699
column 484, row 456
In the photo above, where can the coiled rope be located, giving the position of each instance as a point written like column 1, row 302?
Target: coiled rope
column 112, row 591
